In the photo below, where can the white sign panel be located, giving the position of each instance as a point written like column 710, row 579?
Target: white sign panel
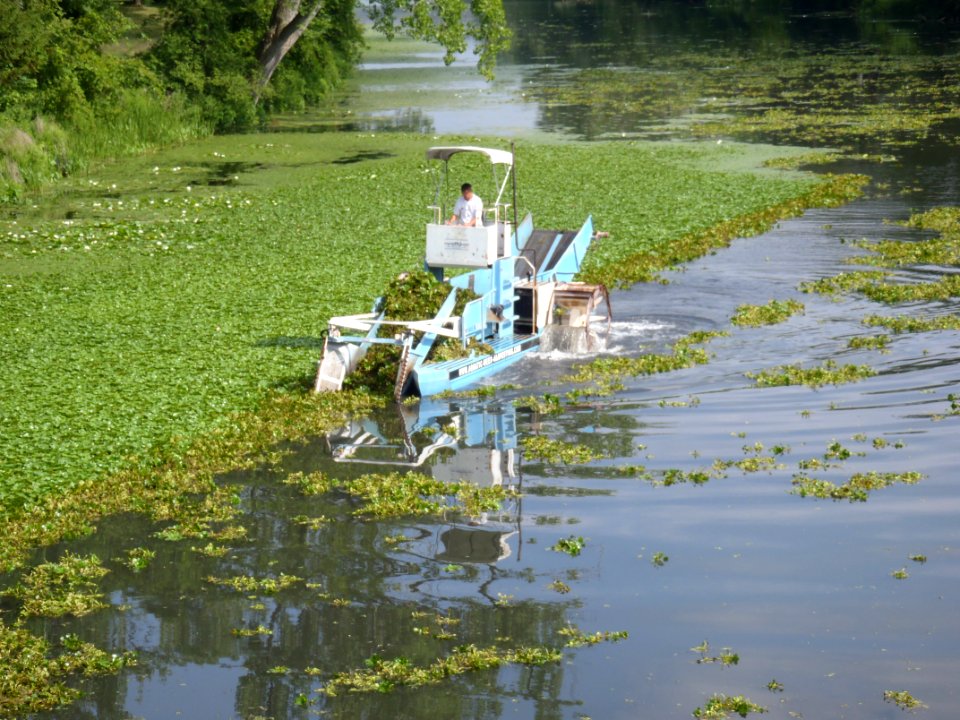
column 458, row 246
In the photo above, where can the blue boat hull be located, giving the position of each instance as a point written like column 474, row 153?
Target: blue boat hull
column 435, row 378
column 558, row 260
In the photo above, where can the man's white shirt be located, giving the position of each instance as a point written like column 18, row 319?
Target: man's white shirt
column 467, row 210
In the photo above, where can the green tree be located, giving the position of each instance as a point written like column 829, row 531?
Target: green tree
column 240, row 59
column 451, row 23
column 51, row 54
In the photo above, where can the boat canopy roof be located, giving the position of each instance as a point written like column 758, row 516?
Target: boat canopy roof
column 497, row 157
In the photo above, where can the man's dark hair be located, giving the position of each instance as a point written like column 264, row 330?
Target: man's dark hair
column 465, row 187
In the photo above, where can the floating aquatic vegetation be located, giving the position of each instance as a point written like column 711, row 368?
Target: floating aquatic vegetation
column 642, row 266
column 856, row 489
column 66, row 587
column 953, row 410
column 815, row 464
column 659, row 559
column 211, row 550
column 726, row 657
column 545, row 404
column 794, row 162
column 540, row 447
column 903, row 700
column 716, row 471
column 312, row 523
column 395, row 494
column 259, row 630
column 34, row 678
column 412, row 295
column 844, row 282
column 559, row 586
column 572, row 545
column 721, row 706
column 250, row 584
column 138, row 558
column 921, row 559
column 870, row 284
column 869, row 342
column 577, row 638
column 836, row 451
column 683, row 355
column 900, row 574
column 694, row 401
column 484, row 391
column 759, row 463
column 897, row 253
column 775, row 311
column 830, row 373
column 911, row 324
column 842, row 100
column 315, row 483
column 382, row 675
column 775, row 686
column 676, row 476
column 166, row 485
column 945, row 220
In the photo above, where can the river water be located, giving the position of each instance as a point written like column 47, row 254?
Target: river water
column 800, row 589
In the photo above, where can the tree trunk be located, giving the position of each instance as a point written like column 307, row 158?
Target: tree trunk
column 288, row 21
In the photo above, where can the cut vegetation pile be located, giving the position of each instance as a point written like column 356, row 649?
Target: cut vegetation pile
column 415, row 295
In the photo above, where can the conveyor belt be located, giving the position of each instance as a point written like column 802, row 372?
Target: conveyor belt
column 544, row 249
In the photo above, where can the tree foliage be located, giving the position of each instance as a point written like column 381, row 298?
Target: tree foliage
column 244, row 58
column 52, row 59
column 451, row 23
column 234, row 60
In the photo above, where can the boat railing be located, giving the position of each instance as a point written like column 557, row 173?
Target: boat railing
column 471, row 246
column 501, row 214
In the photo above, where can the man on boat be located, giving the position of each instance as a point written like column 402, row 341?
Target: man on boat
column 468, row 209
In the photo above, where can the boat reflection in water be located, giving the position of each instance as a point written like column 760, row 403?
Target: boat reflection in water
column 451, row 440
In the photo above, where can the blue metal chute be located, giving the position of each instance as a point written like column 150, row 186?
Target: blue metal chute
column 420, row 351
column 413, row 356
column 523, row 233
column 568, row 265
column 474, row 319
